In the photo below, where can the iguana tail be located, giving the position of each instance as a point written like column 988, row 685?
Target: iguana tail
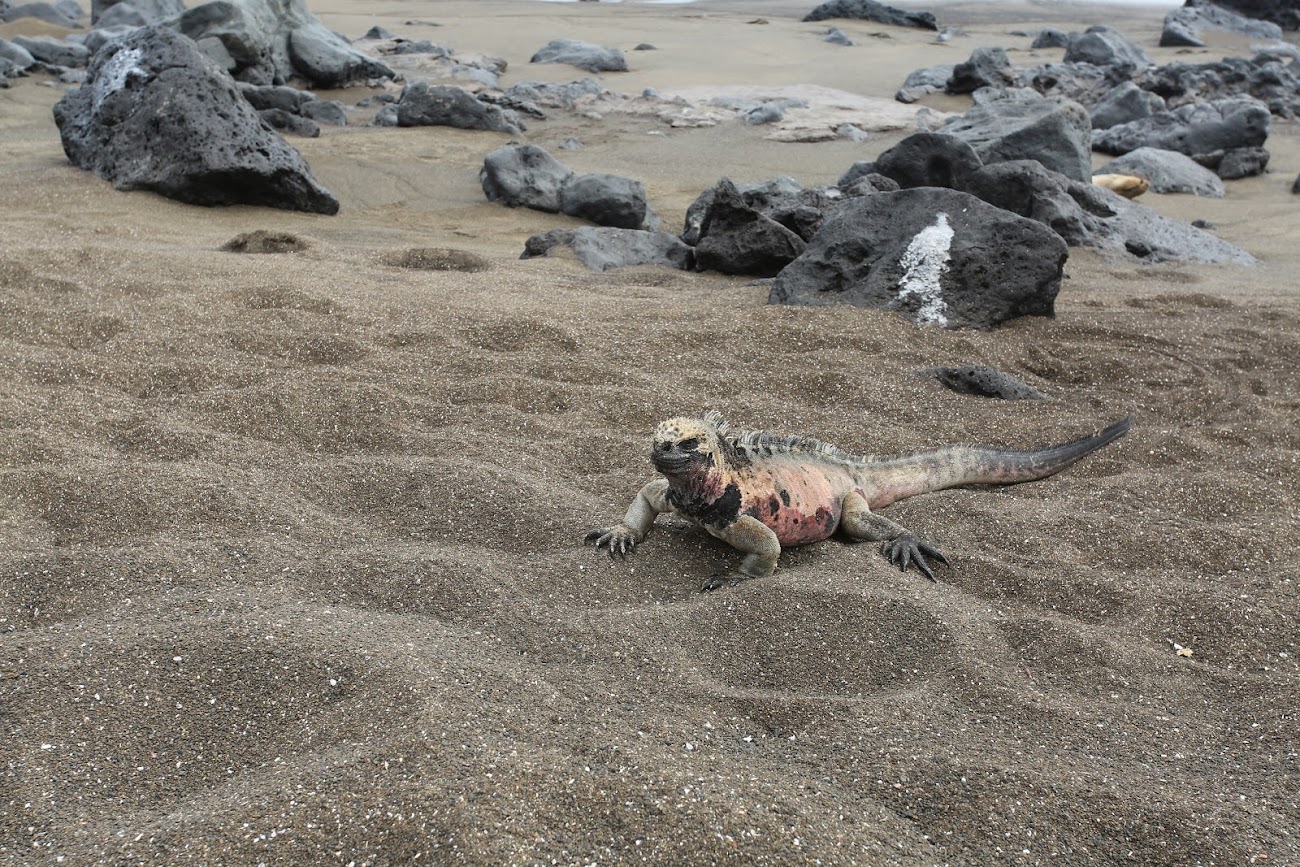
column 891, row 479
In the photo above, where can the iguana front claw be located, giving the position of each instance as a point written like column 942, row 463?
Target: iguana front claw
column 620, row 540
column 903, row 551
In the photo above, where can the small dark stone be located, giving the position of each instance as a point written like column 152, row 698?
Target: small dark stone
column 982, row 381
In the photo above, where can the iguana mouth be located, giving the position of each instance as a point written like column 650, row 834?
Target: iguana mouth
column 670, row 463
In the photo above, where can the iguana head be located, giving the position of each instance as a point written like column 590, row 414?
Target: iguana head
column 688, row 445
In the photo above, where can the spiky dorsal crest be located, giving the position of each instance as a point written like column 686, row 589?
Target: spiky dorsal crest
column 714, row 419
column 743, row 444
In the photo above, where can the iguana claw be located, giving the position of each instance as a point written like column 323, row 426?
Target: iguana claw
column 903, row 551
column 619, row 540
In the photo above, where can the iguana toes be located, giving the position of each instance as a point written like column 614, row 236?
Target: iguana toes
column 758, row 491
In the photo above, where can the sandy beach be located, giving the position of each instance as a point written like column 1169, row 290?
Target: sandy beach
column 291, row 561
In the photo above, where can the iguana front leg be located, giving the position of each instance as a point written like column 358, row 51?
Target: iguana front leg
column 900, row 547
column 761, row 547
column 650, row 501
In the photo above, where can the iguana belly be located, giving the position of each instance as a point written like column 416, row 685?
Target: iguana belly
column 800, row 507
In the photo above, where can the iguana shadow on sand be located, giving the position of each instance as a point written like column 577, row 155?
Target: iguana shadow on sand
column 758, row 491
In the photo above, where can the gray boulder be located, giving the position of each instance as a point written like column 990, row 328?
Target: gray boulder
column 1242, row 163
column 1084, row 214
column 95, row 39
column 927, row 159
column 1270, row 78
column 939, row 256
column 987, row 67
column 330, row 111
column 869, row 10
column 424, row 104
column 584, row 55
column 1196, row 128
column 602, row 248
column 270, row 41
column 1050, row 37
column 920, row 82
column 1057, row 133
column 1187, row 22
column 16, row 56
column 836, row 36
column 1167, row 172
column 55, row 52
column 735, row 238
column 155, row 114
column 606, row 200
column 1101, row 45
column 523, row 175
column 135, row 12
column 1123, row 103
column 59, row 15
column 291, row 124
column 1281, row 12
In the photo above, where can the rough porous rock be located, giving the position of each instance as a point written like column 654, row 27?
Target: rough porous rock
column 523, row 175
column 135, row 12
column 17, row 57
column 269, row 41
column 584, row 55
column 984, row 381
column 920, row 82
column 1084, row 214
column 1270, row 78
column 1167, row 172
column 1281, row 12
column 1101, row 45
column 1057, row 133
column 735, row 238
column 606, row 200
column 155, row 114
column 290, row 124
column 602, row 248
column 1198, row 128
column 1187, row 22
column 927, row 159
column 1242, row 163
column 987, row 67
column 869, row 10
column 1050, row 37
column 424, row 104
column 938, row 256
column 1123, row 103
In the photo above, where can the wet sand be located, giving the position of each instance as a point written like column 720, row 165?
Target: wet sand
column 290, row 545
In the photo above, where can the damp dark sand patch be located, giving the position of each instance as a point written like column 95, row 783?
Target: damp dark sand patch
column 435, row 259
column 263, row 241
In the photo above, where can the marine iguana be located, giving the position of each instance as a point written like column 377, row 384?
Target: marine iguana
column 758, row 491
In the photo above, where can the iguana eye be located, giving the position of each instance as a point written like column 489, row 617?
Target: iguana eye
column 689, row 445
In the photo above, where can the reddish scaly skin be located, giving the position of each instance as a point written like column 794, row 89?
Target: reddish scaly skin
column 801, row 504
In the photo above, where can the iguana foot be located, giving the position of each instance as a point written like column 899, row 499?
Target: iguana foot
column 722, row 579
column 620, row 540
column 903, row 551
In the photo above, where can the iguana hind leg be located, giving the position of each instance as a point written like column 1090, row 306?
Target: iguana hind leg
column 900, row 546
column 756, row 540
column 650, row 502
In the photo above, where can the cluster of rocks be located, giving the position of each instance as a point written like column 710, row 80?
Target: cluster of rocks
column 930, row 228
column 528, row 176
column 155, row 113
column 1217, row 114
column 261, row 42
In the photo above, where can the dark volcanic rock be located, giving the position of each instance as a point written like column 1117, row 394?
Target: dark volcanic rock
column 869, row 10
column 604, row 199
column 983, row 381
column 155, row 114
column 292, row 124
column 603, row 248
column 1101, row 45
column 269, row 41
column 1242, row 163
column 927, row 159
column 1050, row 37
column 1267, row 77
column 424, row 104
column 584, row 55
column 1087, row 215
column 55, row 52
column 1199, row 128
column 938, row 256
column 987, row 67
column 737, row 239
column 920, row 82
column 1123, row 103
column 1188, row 20
column 1283, row 13
column 523, row 175
column 50, row 13
column 1057, row 133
